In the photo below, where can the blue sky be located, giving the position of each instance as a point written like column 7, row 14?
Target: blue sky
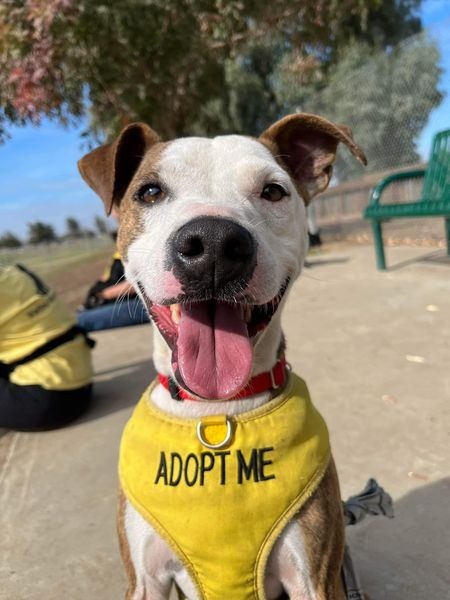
column 436, row 19
column 39, row 179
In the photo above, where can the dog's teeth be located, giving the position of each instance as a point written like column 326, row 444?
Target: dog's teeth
column 175, row 313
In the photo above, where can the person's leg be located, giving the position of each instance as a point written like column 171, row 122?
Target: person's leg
column 117, row 314
column 313, row 229
column 311, row 217
column 32, row 408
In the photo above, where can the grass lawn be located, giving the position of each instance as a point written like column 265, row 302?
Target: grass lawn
column 48, row 259
column 69, row 268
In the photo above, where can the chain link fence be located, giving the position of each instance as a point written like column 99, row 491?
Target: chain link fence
column 387, row 102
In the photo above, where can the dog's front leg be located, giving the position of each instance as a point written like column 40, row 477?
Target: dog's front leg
column 150, row 564
column 307, row 558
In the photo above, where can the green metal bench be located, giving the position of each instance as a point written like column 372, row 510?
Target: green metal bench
column 434, row 200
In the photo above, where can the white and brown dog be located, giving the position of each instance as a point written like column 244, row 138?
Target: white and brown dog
column 212, row 234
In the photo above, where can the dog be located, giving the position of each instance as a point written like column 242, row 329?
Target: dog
column 228, row 486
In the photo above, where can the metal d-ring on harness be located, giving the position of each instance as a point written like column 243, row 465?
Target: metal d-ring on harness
column 223, row 443
column 200, row 426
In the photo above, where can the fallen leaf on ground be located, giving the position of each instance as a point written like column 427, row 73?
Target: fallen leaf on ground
column 432, row 308
column 389, row 399
column 421, row 476
column 414, row 358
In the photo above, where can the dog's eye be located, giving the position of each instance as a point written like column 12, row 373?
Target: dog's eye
column 149, row 193
column 273, row 192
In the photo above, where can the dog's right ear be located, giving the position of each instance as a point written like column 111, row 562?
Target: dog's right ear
column 109, row 169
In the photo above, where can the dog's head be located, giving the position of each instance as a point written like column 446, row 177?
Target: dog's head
column 212, row 232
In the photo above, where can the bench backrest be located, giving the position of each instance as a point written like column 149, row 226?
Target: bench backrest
column 436, row 184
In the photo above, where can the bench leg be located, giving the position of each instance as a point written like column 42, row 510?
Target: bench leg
column 379, row 248
column 447, row 234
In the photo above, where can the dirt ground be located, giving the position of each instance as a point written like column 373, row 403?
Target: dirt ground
column 374, row 348
column 421, row 233
column 72, row 285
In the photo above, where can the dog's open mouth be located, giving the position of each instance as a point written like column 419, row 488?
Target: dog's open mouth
column 212, row 352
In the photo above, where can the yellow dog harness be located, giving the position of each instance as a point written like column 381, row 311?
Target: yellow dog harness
column 220, row 490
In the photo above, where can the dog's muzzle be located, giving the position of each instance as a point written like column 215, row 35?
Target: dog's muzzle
column 214, row 254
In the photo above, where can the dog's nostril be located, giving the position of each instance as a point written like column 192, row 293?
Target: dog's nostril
column 239, row 247
column 191, row 247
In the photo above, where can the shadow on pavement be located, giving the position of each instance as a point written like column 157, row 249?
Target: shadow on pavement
column 408, row 557
column 437, row 257
column 327, row 261
column 119, row 388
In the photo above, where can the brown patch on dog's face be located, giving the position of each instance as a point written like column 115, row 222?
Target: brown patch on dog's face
column 274, row 150
column 307, row 144
column 109, row 169
column 131, row 210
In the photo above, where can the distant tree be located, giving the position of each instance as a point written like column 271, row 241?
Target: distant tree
column 39, row 233
column 9, row 240
column 166, row 61
column 247, row 103
column 251, row 97
column 73, row 228
column 385, row 93
column 101, row 225
column 385, row 97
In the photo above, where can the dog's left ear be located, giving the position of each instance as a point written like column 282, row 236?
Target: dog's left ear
column 109, row 169
column 307, row 144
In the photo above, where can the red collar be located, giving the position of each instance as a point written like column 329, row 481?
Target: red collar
column 270, row 380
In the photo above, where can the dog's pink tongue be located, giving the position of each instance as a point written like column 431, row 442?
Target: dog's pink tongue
column 213, row 349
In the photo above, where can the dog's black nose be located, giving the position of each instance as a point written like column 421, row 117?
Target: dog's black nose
column 211, row 252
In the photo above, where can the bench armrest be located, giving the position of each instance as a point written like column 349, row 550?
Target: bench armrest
column 383, row 184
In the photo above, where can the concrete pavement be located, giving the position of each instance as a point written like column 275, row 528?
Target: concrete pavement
column 374, row 348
